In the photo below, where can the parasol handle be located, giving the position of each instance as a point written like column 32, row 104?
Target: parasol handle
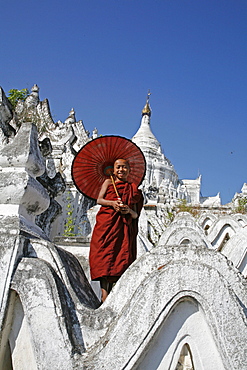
column 115, row 188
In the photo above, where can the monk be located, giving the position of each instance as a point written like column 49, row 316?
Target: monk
column 113, row 244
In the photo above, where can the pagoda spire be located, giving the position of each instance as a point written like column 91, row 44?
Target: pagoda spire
column 144, row 136
column 147, row 110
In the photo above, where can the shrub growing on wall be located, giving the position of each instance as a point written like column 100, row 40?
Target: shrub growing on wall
column 14, row 95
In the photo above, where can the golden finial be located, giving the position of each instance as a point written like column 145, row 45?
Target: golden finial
column 147, row 109
column 149, row 93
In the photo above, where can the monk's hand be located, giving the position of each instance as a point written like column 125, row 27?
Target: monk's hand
column 117, row 205
column 125, row 209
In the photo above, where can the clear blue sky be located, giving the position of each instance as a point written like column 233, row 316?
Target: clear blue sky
column 101, row 57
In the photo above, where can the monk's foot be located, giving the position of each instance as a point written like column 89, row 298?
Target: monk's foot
column 104, row 295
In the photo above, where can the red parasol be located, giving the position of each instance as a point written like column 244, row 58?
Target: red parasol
column 93, row 164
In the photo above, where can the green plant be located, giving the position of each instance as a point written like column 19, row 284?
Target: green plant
column 241, row 208
column 69, row 226
column 14, row 95
column 184, row 207
column 170, row 216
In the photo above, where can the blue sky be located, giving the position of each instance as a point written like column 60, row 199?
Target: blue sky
column 101, row 57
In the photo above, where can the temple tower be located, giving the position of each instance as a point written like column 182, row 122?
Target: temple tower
column 161, row 183
column 159, row 168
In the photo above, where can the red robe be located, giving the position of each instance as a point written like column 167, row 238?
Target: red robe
column 113, row 243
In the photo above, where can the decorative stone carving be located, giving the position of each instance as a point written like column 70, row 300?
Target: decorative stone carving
column 22, row 197
column 6, row 115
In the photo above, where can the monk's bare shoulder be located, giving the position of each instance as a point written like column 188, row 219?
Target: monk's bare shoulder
column 107, row 182
column 103, row 189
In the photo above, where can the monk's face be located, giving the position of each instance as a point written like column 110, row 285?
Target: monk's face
column 121, row 169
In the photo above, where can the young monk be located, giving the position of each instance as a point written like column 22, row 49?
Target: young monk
column 113, row 244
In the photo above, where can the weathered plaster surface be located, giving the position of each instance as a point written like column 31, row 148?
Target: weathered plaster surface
column 184, row 230
column 158, row 305
column 157, row 283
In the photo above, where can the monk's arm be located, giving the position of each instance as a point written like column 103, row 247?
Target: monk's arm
column 116, row 204
column 126, row 209
column 105, row 202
